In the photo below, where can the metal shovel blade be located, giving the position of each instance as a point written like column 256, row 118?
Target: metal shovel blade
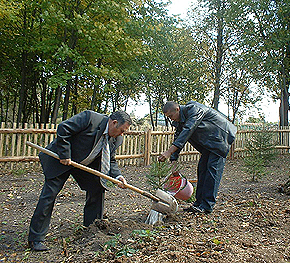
column 167, row 203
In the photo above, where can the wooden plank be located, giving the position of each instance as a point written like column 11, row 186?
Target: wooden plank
column 29, row 149
column 140, row 141
column 137, row 146
column 46, row 136
column 148, row 146
column 282, row 147
column 13, row 140
column 35, row 153
column 52, row 135
column 163, row 142
column 288, row 138
column 19, row 159
column 162, row 132
column 18, row 144
column 132, row 156
column 181, row 153
column 2, row 139
column 123, row 148
column 145, row 148
column 134, row 132
column 24, row 146
column 131, row 145
column 31, row 130
column 158, row 143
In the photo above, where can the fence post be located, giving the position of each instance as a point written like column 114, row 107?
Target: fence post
column 2, row 139
column 232, row 151
column 147, row 150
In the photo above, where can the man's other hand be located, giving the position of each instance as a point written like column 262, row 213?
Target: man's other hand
column 122, row 181
column 65, row 161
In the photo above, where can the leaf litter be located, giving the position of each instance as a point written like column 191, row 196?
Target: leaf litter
column 250, row 223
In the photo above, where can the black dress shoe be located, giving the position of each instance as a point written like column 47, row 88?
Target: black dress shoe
column 196, row 210
column 37, row 246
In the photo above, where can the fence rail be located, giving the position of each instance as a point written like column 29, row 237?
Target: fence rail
column 139, row 147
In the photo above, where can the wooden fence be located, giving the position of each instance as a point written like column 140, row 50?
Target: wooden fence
column 139, row 147
column 281, row 138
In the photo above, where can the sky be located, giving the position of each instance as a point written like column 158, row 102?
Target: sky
column 179, row 7
column 270, row 109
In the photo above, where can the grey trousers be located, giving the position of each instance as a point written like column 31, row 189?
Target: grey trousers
column 93, row 209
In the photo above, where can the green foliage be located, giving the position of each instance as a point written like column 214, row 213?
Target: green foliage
column 18, row 172
column 98, row 54
column 68, row 45
column 112, row 242
column 170, row 70
column 126, row 251
column 252, row 119
column 192, row 198
column 67, row 240
column 110, row 184
column 26, row 254
column 159, row 173
column 263, row 27
column 259, row 153
column 216, row 241
column 144, row 234
column 116, row 246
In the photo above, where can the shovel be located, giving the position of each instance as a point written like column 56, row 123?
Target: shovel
column 163, row 202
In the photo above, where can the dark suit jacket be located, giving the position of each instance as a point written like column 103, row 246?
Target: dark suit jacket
column 75, row 139
column 204, row 128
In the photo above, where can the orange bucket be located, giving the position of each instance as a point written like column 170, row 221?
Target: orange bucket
column 179, row 187
column 185, row 191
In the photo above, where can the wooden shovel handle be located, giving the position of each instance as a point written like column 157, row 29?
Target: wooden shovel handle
column 94, row 172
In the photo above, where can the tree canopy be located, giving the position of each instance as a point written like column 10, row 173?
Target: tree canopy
column 58, row 58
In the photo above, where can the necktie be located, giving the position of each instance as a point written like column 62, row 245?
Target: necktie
column 105, row 166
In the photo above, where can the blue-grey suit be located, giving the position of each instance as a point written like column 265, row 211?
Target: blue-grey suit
column 208, row 131
column 76, row 137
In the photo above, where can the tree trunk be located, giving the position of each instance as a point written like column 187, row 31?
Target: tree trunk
column 66, row 100
column 56, row 105
column 284, row 100
column 48, row 106
column 284, row 106
column 75, row 92
column 151, row 113
column 22, row 87
column 43, row 102
column 71, row 43
column 156, row 114
column 218, row 64
column 2, row 107
column 7, row 109
column 96, row 86
column 93, row 101
column 37, row 118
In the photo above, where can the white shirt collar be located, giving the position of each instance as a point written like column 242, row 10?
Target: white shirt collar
column 107, row 129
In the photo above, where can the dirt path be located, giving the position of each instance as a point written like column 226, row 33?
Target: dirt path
column 251, row 222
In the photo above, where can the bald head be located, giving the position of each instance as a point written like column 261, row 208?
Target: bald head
column 169, row 106
column 171, row 110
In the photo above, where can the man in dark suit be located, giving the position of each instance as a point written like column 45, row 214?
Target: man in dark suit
column 91, row 139
column 208, row 131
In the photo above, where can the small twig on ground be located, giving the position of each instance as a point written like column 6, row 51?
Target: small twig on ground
column 64, row 245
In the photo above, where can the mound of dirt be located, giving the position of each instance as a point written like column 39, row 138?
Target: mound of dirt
column 285, row 188
column 250, row 223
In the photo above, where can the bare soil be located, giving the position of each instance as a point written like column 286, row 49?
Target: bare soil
column 250, row 223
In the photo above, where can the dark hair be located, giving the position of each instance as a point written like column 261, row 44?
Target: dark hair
column 121, row 117
column 169, row 105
